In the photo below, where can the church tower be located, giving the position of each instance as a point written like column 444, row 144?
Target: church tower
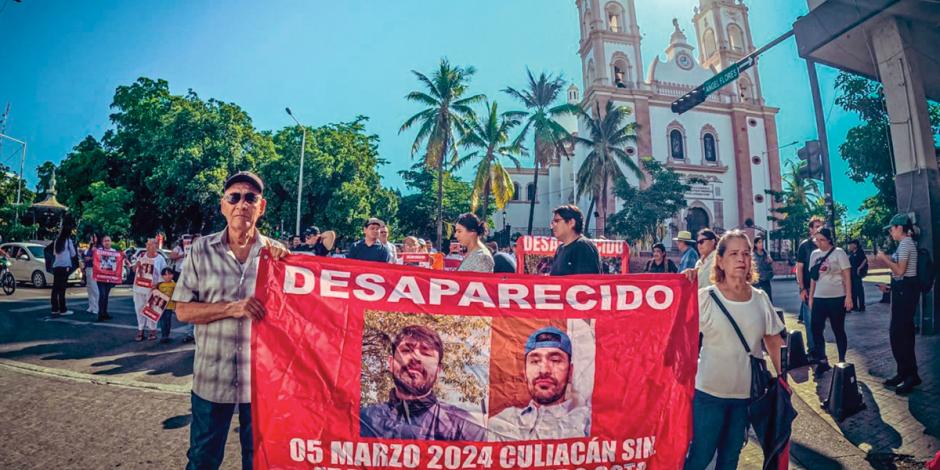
column 724, row 37
column 610, row 45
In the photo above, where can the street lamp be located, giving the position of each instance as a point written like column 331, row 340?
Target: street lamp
column 300, row 177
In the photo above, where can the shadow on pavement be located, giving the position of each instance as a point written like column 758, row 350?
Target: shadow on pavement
column 176, row 363
column 811, row 459
column 177, row 422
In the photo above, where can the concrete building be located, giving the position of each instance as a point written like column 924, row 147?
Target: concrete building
column 730, row 140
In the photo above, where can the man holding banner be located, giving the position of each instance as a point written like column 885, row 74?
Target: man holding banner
column 576, row 254
column 549, row 414
column 216, row 292
column 413, row 411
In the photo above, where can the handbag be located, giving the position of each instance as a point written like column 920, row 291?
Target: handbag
column 814, row 271
column 760, row 376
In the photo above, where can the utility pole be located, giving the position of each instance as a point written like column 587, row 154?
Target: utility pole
column 3, row 125
column 823, row 143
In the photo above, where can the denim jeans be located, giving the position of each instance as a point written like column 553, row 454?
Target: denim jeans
column 208, row 432
column 807, row 316
column 166, row 322
column 718, row 424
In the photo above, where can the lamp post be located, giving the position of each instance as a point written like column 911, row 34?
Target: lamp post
column 300, row 177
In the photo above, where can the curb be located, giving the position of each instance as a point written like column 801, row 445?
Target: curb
column 94, row 379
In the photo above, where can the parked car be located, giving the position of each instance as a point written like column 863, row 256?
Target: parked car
column 29, row 265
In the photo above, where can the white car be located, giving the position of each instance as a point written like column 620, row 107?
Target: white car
column 29, row 265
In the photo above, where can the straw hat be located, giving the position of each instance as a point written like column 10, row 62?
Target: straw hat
column 684, row 236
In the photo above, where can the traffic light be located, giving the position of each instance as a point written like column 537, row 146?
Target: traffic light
column 811, row 155
column 689, row 100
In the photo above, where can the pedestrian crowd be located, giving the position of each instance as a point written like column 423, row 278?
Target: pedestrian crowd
column 210, row 281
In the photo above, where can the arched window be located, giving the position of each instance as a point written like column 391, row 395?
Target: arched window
column 708, row 42
column 736, row 37
column 515, row 191
column 614, row 17
column 620, row 71
column 709, row 149
column 530, row 192
column 676, row 144
column 745, row 89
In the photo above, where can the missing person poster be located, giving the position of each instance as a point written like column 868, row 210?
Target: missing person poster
column 535, row 253
column 366, row 365
column 107, row 266
column 421, row 260
column 145, row 275
column 156, row 304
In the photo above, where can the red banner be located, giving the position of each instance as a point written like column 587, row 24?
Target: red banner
column 107, row 265
column 534, row 253
column 368, row 365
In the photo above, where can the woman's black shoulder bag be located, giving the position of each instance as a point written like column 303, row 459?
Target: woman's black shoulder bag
column 760, row 376
column 814, row 270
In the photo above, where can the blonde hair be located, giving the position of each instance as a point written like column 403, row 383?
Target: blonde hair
column 718, row 274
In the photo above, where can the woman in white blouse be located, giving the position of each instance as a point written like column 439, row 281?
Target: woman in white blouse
column 468, row 232
column 830, row 295
column 723, row 381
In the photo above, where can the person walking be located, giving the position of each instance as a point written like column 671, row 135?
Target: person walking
column 65, row 260
column 686, row 245
column 859, row 260
column 469, row 229
column 91, row 286
column 147, row 271
column 178, row 255
column 723, row 380
column 660, row 263
column 576, row 254
column 370, row 248
column 803, row 253
column 905, row 293
column 216, row 292
column 765, row 267
column 830, row 295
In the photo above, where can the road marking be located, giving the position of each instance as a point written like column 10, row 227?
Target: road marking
column 179, row 329
column 95, row 379
column 31, row 309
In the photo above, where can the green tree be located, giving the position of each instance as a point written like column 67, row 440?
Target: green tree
column 550, row 137
column 87, row 163
column 867, row 147
column 416, row 211
column 44, row 175
column 646, row 208
column 445, row 115
column 490, row 134
column 109, row 211
column 796, row 203
column 602, row 165
column 341, row 186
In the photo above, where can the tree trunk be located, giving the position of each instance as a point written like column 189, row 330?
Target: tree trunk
column 486, row 199
column 440, row 196
column 590, row 212
column 535, row 186
column 604, row 208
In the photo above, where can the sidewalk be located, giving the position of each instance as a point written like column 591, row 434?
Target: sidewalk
column 894, row 431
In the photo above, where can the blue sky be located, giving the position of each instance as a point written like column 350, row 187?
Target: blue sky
column 332, row 60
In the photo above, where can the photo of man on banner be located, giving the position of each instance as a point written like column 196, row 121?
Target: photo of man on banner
column 413, row 411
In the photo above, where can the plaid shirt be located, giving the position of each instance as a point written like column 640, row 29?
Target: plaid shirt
column 211, row 273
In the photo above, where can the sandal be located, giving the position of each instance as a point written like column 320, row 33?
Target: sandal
column 140, row 335
column 153, row 335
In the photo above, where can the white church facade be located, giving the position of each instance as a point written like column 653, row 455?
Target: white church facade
column 730, row 140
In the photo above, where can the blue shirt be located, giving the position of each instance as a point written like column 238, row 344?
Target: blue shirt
column 688, row 260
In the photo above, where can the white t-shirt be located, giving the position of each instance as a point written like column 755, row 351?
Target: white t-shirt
column 150, row 268
column 724, row 368
column 704, row 267
column 829, row 284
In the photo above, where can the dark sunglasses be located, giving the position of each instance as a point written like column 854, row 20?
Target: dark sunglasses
column 699, row 242
column 235, row 198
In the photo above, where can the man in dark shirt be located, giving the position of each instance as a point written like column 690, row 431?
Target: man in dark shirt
column 803, row 253
column 504, row 262
column 370, row 248
column 576, row 254
column 312, row 243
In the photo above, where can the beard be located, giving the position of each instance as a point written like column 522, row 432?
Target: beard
column 544, row 396
column 414, row 379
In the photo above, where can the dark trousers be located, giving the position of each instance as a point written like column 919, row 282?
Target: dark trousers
column 208, row 432
column 765, row 286
column 718, row 424
column 834, row 310
column 858, row 293
column 104, row 291
column 166, row 321
column 60, row 278
column 904, row 298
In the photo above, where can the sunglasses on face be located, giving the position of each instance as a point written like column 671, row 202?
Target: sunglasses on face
column 703, row 240
column 235, row 198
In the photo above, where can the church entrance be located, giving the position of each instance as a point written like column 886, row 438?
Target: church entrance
column 696, row 219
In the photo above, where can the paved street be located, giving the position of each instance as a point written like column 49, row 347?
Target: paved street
column 82, row 394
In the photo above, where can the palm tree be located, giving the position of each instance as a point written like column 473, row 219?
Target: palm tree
column 490, row 134
column 804, row 190
column 602, row 165
column 550, row 136
column 446, row 112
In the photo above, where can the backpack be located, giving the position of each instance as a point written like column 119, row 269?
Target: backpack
column 48, row 254
column 926, row 272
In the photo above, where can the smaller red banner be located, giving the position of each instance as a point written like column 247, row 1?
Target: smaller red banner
column 107, row 266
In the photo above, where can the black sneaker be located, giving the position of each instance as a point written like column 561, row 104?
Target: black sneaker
column 164, row 340
column 822, row 368
column 894, row 381
column 907, row 386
